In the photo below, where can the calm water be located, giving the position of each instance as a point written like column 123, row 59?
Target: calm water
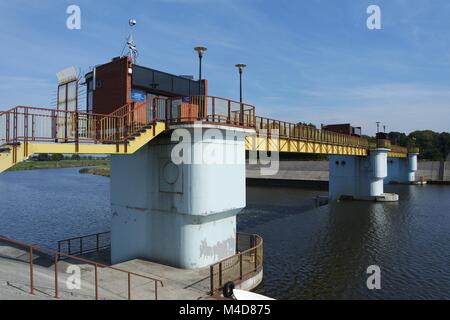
column 309, row 253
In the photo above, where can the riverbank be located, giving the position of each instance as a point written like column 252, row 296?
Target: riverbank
column 103, row 171
column 42, row 165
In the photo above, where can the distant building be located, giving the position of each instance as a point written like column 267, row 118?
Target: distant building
column 344, row 129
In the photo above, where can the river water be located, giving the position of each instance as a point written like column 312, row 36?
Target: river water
column 310, row 253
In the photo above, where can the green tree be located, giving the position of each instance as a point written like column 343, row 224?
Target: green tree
column 43, row 157
column 427, row 141
column 444, row 145
column 57, row 157
column 399, row 138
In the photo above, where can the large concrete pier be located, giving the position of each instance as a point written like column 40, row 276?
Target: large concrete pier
column 359, row 178
column 182, row 215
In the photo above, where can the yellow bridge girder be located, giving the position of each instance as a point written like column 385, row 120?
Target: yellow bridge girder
column 23, row 151
column 275, row 144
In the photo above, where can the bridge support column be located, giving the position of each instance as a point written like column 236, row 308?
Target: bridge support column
column 402, row 170
column 360, row 178
column 182, row 215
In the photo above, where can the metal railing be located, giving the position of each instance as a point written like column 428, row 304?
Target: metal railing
column 204, row 108
column 399, row 149
column 307, row 133
column 55, row 256
column 85, row 244
column 247, row 262
column 29, row 124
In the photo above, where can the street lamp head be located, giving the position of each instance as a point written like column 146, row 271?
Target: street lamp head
column 201, row 50
column 241, row 66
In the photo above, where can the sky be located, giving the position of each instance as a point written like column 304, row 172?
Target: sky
column 311, row 61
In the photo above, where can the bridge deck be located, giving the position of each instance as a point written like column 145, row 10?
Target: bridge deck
column 25, row 131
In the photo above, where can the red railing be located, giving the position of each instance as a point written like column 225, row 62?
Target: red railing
column 55, row 256
column 25, row 124
column 246, row 263
column 206, row 109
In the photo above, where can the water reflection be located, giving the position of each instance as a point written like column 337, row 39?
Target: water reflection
column 309, row 253
column 324, row 253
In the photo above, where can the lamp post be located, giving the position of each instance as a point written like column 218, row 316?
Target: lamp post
column 241, row 67
column 200, row 51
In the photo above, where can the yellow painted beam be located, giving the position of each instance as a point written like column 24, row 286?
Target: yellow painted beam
column 264, row 143
column 260, row 143
column 7, row 161
column 253, row 143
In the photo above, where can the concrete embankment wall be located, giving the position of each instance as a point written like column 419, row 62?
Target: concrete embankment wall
column 434, row 170
column 315, row 173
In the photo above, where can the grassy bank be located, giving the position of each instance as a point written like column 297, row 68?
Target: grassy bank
column 103, row 171
column 40, row 165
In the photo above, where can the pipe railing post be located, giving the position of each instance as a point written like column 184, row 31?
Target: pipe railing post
column 31, row 270
column 154, row 111
column 214, row 109
column 166, row 112
column 25, row 133
column 125, row 134
column 240, row 267
column 33, row 127
column 256, row 259
column 220, row 275
column 229, row 112
column 96, row 281
column 211, row 272
column 129, row 286
column 56, row 276
column 8, row 117
column 77, row 133
column 117, row 133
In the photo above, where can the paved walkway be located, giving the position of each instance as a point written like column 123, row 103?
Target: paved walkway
column 113, row 285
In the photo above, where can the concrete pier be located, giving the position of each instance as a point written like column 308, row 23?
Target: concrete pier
column 359, row 178
column 402, row 170
column 180, row 214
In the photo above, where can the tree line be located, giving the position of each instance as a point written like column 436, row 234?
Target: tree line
column 433, row 145
column 60, row 157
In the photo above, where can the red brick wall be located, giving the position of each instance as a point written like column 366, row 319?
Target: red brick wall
column 113, row 86
column 339, row 128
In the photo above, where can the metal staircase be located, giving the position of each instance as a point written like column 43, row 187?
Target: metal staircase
column 25, row 131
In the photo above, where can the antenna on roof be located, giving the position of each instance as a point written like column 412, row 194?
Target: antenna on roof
column 132, row 49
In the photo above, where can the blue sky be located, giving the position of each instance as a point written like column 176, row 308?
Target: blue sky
column 309, row 61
